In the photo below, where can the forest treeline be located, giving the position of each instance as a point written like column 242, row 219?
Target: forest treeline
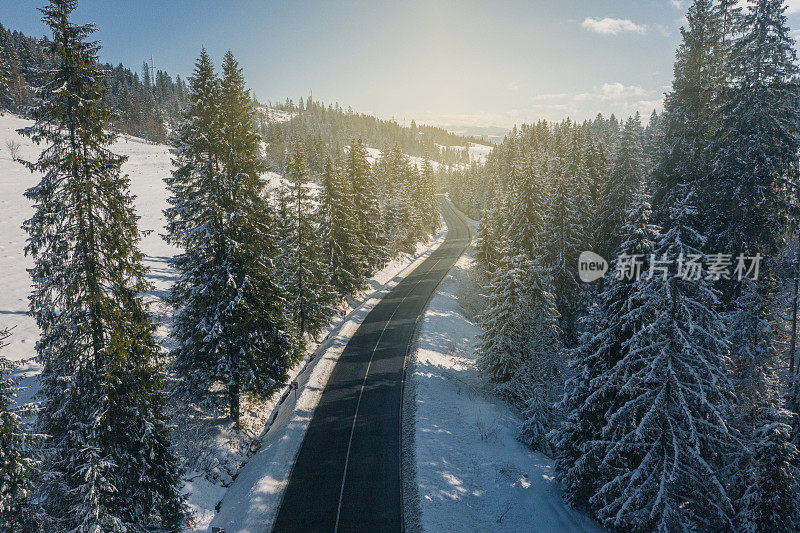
column 143, row 107
column 262, row 268
column 665, row 390
column 329, row 128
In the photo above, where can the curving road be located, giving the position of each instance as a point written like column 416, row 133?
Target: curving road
column 346, row 476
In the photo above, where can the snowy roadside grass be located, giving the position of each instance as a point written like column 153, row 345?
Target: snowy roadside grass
column 471, row 472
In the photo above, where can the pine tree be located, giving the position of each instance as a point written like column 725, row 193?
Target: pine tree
column 501, row 347
column 427, row 199
column 305, row 274
column 108, row 459
column 519, row 347
column 667, row 429
column 340, row 245
column 688, row 119
column 770, row 501
column 587, row 397
column 623, row 183
column 757, row 140
column 539, row 377
column 5, row 79
column 17, row 464
column 763, row 469
column 564, row 237
column 529, row 202
column 230, row 327
column 366, row 210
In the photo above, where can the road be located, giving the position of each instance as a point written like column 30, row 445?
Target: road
column 346, row 476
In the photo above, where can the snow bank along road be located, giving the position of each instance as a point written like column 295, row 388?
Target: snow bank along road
column 346, row 476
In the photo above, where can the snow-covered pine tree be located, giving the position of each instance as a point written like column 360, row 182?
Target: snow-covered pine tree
column 519, row 347
column 762, row 471
column 428, row 202
column 490, row 232
column 501, row 347
column 341, row 244
column 304, row 276
column 586, row 397
column 667, row 428
column 108, row 460
column 17, row 464
column 770, row 502
column 758, row 137
column 683, row 155
column 5, row 80
column 529, row 203
column 597, row 168
column 564, row 238
column 366, row 212
column 622, row 184
column 539, row 378
column 230, row 327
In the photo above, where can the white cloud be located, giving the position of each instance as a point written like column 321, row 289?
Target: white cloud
column 676, row 4
column 612, row 26
column 614, row 91
column 550, row 96
column 792, row 6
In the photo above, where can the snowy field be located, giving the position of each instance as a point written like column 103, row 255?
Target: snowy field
column 471, row 472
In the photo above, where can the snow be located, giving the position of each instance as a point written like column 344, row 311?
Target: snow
column 275, row 115
column 477, row 152
column 374, row 154
column 471, row 472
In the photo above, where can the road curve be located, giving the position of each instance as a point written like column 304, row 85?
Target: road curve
column 346, row 475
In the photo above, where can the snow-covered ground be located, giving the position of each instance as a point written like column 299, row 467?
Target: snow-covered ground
column 374, row 154
column 275, row 115
column 477, row 152
column 471, row 472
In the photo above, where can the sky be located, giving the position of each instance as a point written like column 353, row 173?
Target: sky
column 451, row 63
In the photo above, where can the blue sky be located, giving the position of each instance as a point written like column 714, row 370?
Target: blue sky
column 473, row 63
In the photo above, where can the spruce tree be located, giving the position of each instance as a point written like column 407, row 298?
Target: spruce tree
column 519, row 347
column 366, row 212
column 668, row 426
column 108, row 459
column 17, row 464
column 428, row 203
column 763, row 472
column 623, row 183
column 564, row 237
column 340, row 246
column 758, row 138
column 305, row 275
column 230, row 326
column 529, row 204
column 587, row 396
column 683, row 155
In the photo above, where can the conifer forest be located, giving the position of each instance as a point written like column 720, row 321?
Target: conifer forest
column 230, row 313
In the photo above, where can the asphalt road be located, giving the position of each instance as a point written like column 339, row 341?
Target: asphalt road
column 346, row 476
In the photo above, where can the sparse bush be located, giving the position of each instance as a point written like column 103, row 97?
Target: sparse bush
column 13, row 148
column 487, row 432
